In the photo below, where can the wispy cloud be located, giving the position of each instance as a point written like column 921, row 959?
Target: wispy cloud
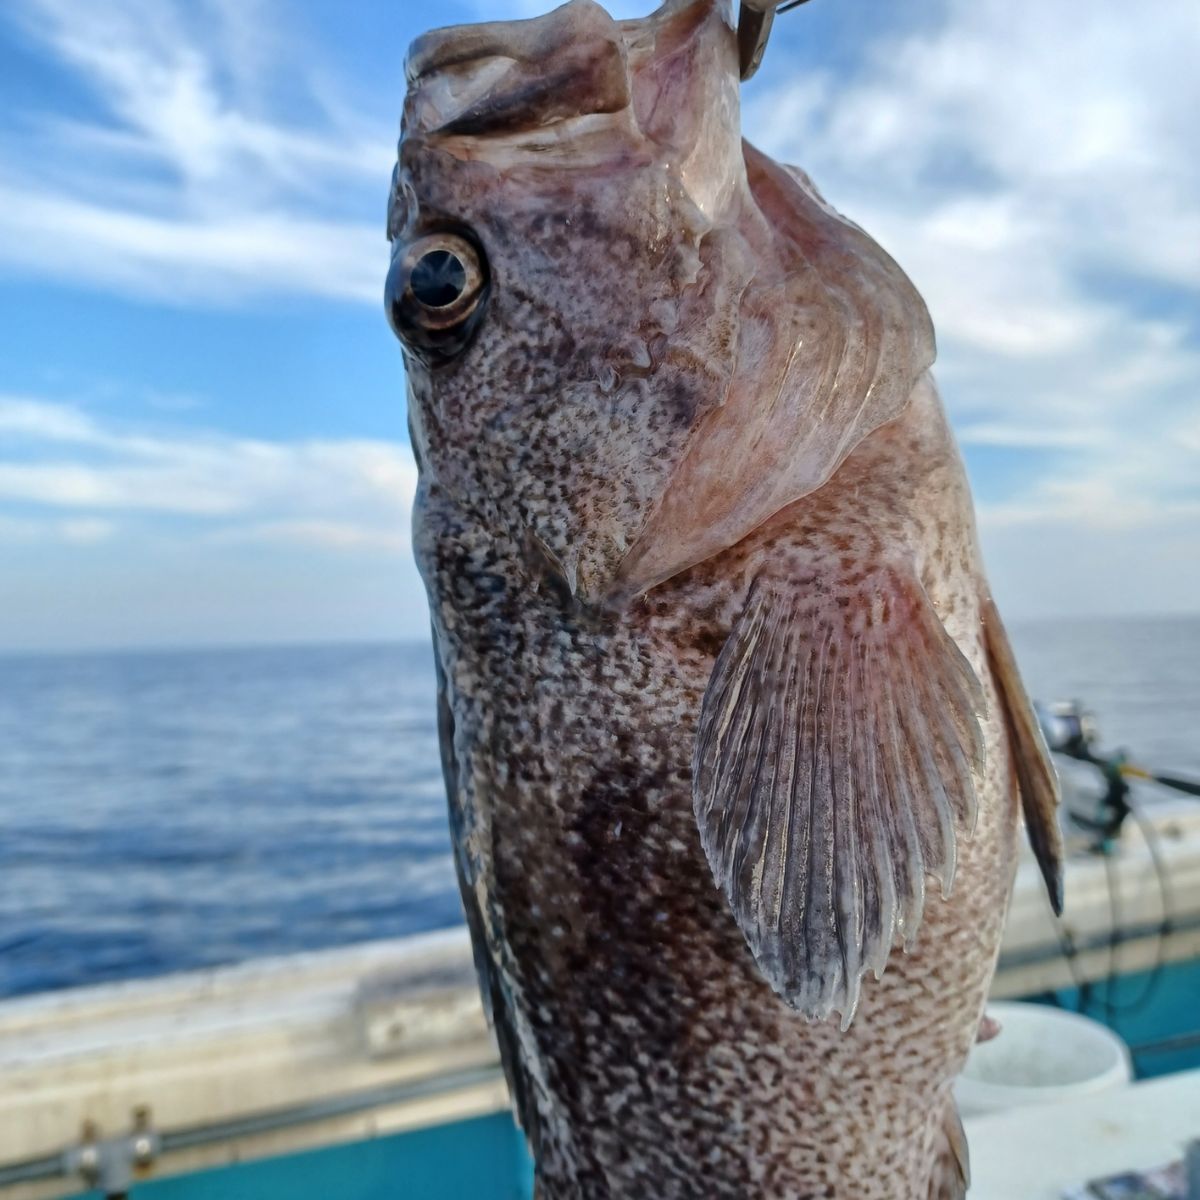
column 1034, row 173
column 339, row 494
column 35, row 420
column 188, row 184
column 1015, row 163
column 115, row 533
column 177, row 258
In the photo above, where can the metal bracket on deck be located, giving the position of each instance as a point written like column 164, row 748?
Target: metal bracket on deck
column 112, row 1164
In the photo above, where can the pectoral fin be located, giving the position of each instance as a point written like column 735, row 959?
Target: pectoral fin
column 834, row 768
column 1036, row 779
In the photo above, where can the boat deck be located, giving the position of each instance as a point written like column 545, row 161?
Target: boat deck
column 1142, row 1127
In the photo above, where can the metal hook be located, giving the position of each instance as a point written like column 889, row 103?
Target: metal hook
column 755, row 18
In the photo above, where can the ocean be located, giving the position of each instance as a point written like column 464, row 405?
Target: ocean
column 163, row 811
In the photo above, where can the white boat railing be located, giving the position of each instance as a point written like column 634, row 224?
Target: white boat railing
column 241, row 1062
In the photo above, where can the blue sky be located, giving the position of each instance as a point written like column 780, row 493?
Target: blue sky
column 202, row 411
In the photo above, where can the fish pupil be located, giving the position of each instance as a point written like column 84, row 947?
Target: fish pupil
column 438, row 279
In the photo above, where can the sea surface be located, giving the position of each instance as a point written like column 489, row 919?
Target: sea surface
column 162, row 811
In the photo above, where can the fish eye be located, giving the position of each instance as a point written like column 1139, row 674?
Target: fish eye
column 439, row 278
column 435, row 294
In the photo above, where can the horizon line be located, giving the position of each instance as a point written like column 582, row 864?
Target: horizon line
column 202, row 646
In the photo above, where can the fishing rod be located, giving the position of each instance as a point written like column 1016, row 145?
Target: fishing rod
column 1189, row 787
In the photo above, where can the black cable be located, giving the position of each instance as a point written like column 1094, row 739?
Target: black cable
column 1084, row 988
column 1070, row 953
column 1113, row 1009
column 1166, row 900
column 1114, row 924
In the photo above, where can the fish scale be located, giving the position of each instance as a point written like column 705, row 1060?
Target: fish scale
column 722, row 687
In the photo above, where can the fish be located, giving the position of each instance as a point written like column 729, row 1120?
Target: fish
column 735, row 746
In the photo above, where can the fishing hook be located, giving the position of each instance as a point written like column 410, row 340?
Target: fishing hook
column 755, row 18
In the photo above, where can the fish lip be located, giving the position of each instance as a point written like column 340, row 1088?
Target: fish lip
column 441, row 49
column 516, row 77
column 451, row 47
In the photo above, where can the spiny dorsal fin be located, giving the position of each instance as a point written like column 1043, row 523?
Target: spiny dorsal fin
column 835, row 765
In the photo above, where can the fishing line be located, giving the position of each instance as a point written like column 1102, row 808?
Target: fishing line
column 1113, row 887
column 1086, row 988
column 1167, row 907
column 1070, row 953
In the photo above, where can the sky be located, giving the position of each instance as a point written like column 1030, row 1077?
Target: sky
column 202, row 425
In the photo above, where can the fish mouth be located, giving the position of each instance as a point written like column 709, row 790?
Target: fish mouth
column 523, row 78
column 509, row 77
column 455, row 47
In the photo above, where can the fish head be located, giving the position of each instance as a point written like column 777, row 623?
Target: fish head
column 587, row 286
column 544, row 164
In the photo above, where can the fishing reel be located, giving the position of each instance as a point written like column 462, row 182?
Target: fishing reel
column 1067, row 727
column 1098, row 805
column 1096, row 795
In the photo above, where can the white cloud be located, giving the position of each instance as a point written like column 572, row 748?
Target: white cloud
column 189, row 85
column 325, row 492
column 1034, row 172
column 177, row 258
column 24, row 418
column 133, row 534
column 195, row 188
column 1006, row 158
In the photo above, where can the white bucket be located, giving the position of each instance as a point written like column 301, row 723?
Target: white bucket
column 1042, row 1055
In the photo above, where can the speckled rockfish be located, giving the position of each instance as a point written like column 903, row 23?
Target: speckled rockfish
column 735, row 745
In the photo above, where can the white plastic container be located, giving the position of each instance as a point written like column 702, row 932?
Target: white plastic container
column 1042, row 1055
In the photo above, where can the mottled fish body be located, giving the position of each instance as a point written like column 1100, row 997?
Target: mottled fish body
column 734, row 743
